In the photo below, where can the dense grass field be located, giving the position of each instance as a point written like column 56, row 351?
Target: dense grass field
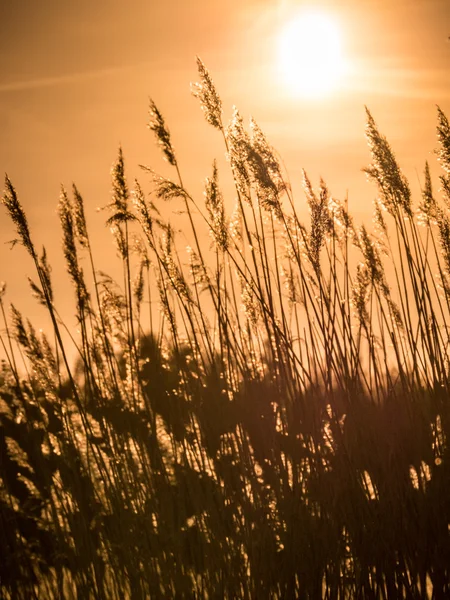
column 276, row 429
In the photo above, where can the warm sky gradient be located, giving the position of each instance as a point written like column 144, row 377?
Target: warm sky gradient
column 75, row 78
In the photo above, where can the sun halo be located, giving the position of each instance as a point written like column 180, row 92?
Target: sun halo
column 310, row 57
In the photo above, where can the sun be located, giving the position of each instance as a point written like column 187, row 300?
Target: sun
column 310, row 57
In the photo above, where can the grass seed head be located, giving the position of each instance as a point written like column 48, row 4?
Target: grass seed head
column 443, row 135
column 19, row 330
column 320, row 220
column 142, row 209
column 210, row 100
column 138, row 284
column 360, row 292
column 342, row 222
column 371, row 255
column 70, row 249
column 120, row 189
column 378, row 218
column 46, row 273
column 159, row 128
column 262, row 147
column 17, row 214
column 79, row 217
column 216, row 210
column 37, row 292
column 167, row 189
column 444, row 238
column 385, row 171
column 250, row 305
column 239, row 144
column 236, row 225
column 428, row 207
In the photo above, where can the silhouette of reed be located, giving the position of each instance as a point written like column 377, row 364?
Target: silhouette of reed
column 278, row 428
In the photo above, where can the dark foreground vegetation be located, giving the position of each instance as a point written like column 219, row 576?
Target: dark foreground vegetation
column 263, row 415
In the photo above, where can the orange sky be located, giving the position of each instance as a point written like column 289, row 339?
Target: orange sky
column 75, row 78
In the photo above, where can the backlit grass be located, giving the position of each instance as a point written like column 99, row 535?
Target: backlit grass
column 276, row 428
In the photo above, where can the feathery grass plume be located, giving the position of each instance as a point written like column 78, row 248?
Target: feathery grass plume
column 46, row 273
column 343, row 225
column 79, row 217
column 380, row 229
column 309, row 192
column 360, row 292
column 167, row 189
column 197, row 269
column 443, row 135
column 120, row 189
column 371, row 253
column 272, row 170
column 444, row 237
column 250, row 306
column 216, row 210
column 266, row 190
column 395, row 314
column 290, row 285
column 320, row 219
column 119, row 238
column 165, row 307
column 143, row 209
column 20, row 333
column 139, row 248
column 239, row 144
column 445, row 189
column 159, row 128
column 372, row 257
column 36, row 351
column 235, row 225
column 37, row 293
column 261, row 145
column 295, row 238
column 378, row 218
column 140, row 205
column 119, row 206
column 138, row 283
column 113, row 307
column 443, row 153
column 210, row 100
column 173, row 272
column 70, row 250
column 428, row 207
column 385, row 171
column 17, row 214
column 49, row 355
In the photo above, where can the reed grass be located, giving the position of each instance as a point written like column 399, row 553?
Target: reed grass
column 276, row 429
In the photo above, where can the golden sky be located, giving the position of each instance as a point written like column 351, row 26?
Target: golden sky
column 75, row 78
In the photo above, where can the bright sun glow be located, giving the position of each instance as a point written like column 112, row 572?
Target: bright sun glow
column 310, row 55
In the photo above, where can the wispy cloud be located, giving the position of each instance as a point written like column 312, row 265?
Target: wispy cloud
column 69, row 78
column 386, row 80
